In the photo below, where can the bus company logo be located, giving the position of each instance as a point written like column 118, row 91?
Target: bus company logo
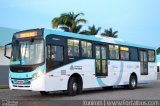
column 75, row 67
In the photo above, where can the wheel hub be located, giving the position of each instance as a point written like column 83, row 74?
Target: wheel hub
column 133, row 82
column 75, row 86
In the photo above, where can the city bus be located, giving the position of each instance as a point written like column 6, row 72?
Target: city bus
column 47, row 60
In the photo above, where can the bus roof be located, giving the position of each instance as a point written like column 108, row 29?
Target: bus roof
column 94, row 38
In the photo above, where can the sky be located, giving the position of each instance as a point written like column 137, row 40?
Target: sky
column 137, row 21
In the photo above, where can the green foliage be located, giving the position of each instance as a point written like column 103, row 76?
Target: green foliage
column 110, row 33
column 92, row 30
column 69, row 22
column 158, row 51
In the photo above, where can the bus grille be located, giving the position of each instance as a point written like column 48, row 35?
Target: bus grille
column 21, row 82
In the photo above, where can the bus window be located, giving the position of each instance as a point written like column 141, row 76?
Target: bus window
column 114, row 51
column 98, row 59
column 73, row 47
column 104, row 63
column 133, row 54
column 57, row 53
column 86, row 49
column 124, row 53
column 101, row 61
column 144, row 62
column 151, row 57
column 55, row 57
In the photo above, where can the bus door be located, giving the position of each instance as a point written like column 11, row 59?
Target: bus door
column 143, row 62
column 55, row 51
column 101, row 60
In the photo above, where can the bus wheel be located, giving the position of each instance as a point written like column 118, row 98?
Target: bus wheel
column 72, row 87
column 80, row 87
column 132, row 82
column 44, row 93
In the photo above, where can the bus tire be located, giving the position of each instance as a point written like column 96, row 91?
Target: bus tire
column 72, row 86
column 80, row 87
column 132, row 82
column 44, row 93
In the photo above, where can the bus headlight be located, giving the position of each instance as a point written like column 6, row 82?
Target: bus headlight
column 38, row 74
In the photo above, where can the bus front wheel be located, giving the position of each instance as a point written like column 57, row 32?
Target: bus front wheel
column 72, row 86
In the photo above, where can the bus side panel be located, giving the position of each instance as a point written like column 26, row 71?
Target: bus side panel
column 58, row 79
column 152, row 74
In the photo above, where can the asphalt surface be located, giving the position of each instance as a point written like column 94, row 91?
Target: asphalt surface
column 143, row 92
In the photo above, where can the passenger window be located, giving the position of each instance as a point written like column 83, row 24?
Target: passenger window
column 134, row 54
column 97, row 52
column 98, row 66
column 104, row 62
column 101, row 61
column 73, row 47
column 86, row 49
column 151, row 56
column 114, row 51
column 124, row 53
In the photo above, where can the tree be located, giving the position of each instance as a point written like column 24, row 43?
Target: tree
column 109, row 33
column 158, row 51
column 69, row 22
column 92, row 30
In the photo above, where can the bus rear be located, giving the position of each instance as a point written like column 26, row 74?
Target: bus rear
column 27, row 66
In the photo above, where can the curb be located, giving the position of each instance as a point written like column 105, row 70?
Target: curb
column 4, row 87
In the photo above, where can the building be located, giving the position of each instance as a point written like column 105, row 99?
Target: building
column 5, row 37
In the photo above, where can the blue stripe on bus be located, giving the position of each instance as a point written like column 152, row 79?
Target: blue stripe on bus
column 117, row 82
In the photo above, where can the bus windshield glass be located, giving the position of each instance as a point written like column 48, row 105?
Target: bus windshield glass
column 28, row 53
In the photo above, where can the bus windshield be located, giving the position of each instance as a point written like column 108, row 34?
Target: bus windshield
column 28, row 53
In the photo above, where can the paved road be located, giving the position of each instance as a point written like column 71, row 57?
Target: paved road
column 143, row 92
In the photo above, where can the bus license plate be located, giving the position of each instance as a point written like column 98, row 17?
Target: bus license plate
column 20, row 82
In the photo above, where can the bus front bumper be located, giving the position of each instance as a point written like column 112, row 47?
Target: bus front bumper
column 35, row 85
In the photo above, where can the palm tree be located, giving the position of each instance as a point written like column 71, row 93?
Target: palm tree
column 158, row 51
column 69, row 22
column 110, row 33
column 92, row 30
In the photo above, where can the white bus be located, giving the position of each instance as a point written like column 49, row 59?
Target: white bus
column 48, row 60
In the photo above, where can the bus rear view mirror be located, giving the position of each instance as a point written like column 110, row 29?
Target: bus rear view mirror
column 7, row 50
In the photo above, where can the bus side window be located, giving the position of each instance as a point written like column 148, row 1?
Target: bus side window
column 124, row 53
column 114, row 52
column 151, row 57
column 55, row 53
column 73, row 47
column 86, row 48
column 133, row 54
